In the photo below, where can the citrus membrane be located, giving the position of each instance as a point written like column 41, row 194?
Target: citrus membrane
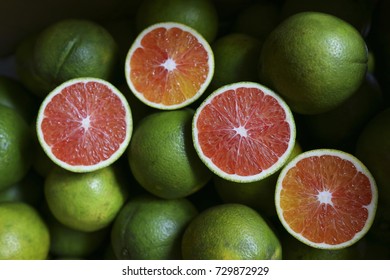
column 243, row 132
column 326, row 198
column 84, row 124
column 169, row 65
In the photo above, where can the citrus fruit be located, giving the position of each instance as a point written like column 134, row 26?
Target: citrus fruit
column 73, row 48
column 23, row 233
column 340, row 127
column 357, row 13
column 150, row 228
column 315, row 61
column 243, row 132
column 169, row 65
column 162, row 157
column 68, row 242
column 230, row 232
column 258, row 195
column 236, row 56
column 326, row 198
column 84, row 124
column 373, row 149
column 15, row 144
column 85, row 201
column 15, row 96
column 198, row 14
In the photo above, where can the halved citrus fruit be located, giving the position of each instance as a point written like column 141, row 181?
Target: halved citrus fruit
column 326, row 198
column 243, row 132
column 84, row 124
column 169, row 66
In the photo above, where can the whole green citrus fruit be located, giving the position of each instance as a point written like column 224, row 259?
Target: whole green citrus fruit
column 151, row 228
column 162, row 157
column 230, row 231
column 23, row 233
column 73, row 48
column 15, row 145
column 315, row 61
column 85, row 201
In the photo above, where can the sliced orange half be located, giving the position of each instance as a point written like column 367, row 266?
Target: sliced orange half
column 169, row 66
column 243, row 132
column 84, row 124
column 326, row 198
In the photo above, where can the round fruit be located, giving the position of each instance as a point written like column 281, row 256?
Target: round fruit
column 326, row 198
column 15, row 145
column 169, row 65
column 236, row 56
column 71, row 49
column 150, row 228
column 23, row 233
column 84, row 124
column 243, row 132
column 68, row 242
column 85, row 201
column 230, row 232
column 162, row 157
column 198, row 14
column 339, row 128
column 315, row 61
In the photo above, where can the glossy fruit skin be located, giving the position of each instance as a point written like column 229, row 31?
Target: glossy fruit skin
column 150, row 228
column 162, row 157
column 69, row 49
column 230, row 232
column 314, row 61
column 15, row 145
column 85, row 201
column 22, row 224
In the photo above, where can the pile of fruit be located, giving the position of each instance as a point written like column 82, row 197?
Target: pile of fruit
column 195, row 129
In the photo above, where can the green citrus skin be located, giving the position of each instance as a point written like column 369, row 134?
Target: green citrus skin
column 198, row 14
column 314, row 61
column 15, row 147
column 150, row 228
column 23, row 233
column 85, row 201
column 71, row 49
column 230, row 231
column 162, row 157
column 236, row 57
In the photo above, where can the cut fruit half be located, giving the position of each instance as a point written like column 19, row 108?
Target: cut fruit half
column 84, row 124
column 326, row 198
column 243, row 132
column 169, row 66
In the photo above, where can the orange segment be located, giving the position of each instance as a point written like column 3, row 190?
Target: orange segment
column 326, row 198
column 169, row 65
column 84, row 122
column 244, row 130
